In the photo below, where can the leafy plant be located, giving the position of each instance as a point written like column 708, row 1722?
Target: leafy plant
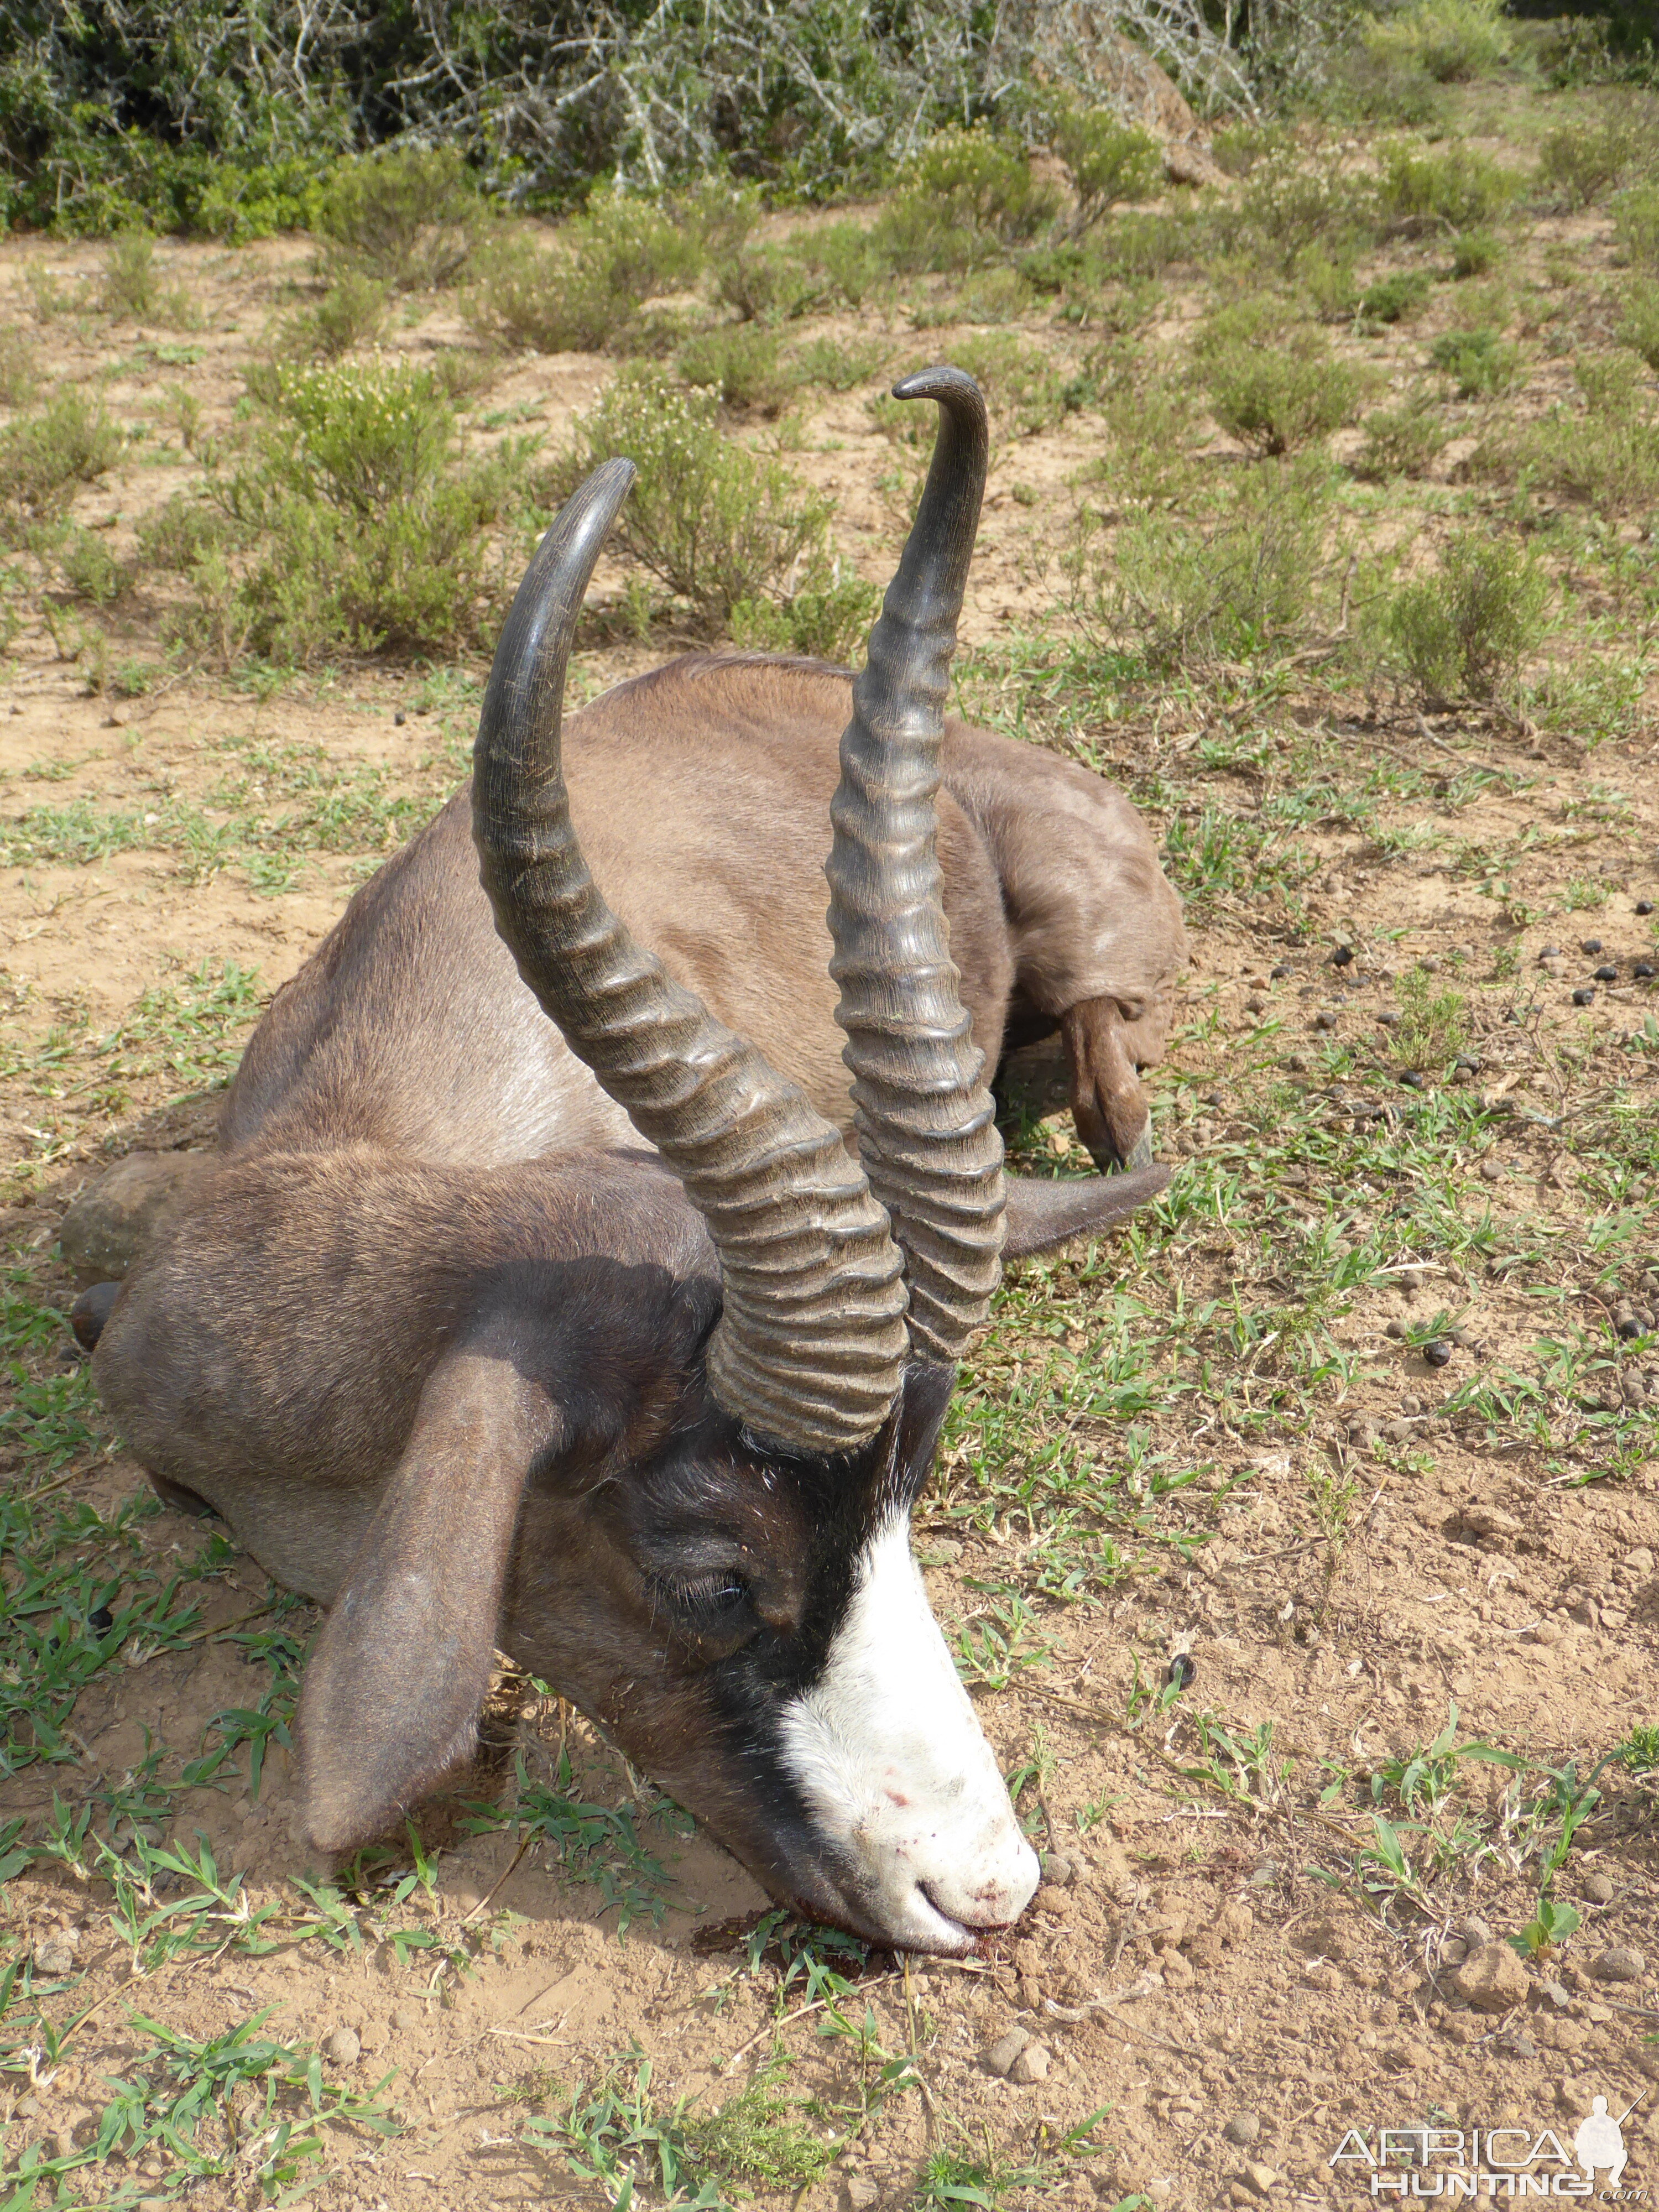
column 739, row 361
column 1451, row 41
column 1464, row 632
column 352, row 312
column 1450, row 188
column 1482, row 363
column 582, row 292
column 964, row 196
column 410, row 216
column 1272, row 383
column 1404, row 440
column 596, row 1844
column 45, row 457
column 712, row 521
column 1105, row 159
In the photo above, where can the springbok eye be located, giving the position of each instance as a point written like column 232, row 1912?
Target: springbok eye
column 703, row 1602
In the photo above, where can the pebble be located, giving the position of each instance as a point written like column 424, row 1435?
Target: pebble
column 1324, row 1019
column 1491, row 1978
column 1030, row 2066
column 1553, row 1993
column 1243, row 2129
column 1598, row 1887
column 1396, row 1330
column 1622, row 1962
column 1475, row 1932
column 1430, row 967
column 1262, row 2179
column 1491, row 1170
column 1058, row 1869
column 54, row 1954
column 860, row 2192
column 1397, row 1433
column 1281, row 971
column 1551, row 952
column 1000, row 2056
column 405, row 2018
column 343, row 2047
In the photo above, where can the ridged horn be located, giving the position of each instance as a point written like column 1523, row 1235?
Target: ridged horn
column 927, row 1128
column 810, row 1346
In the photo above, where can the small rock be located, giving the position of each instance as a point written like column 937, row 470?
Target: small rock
column 343, row 2047
column 1411, row 1406
column 1475, row 1933
column 110, row 1222
column 1243, row 2129
column 1491, row 1170
column 1492, row 1979
column 1622, row 1963
column 1000, row 2056
column 54, row 1954
column 1553, row 1994
column 405, row 2018
column 1058, row 1869
column 1234, row 1922
column 858, row 2192
column 1262, row 2179
column 1032, row 2065
column 1397, row 1433
column 1324, row 1019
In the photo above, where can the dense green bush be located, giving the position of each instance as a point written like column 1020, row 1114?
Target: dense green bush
column 584, row 291
column 714, row 523
column 1580, row 161
column 1483, row 363
column 352, row 312
column 1105, row 160
column 1463, row 632
column 1450, row 40
column 1185, row 593
column 964, row 198
column 1426, row 189
column 829, row 621
column 409, row 217
column 1274, row 382
column 349, row 520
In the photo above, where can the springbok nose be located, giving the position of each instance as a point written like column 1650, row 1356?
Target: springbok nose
column 888, row 1751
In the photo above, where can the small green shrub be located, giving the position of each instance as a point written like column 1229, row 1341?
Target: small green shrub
column 841, row 368
column 1238, row 147
column 1475, row 254
column 1483, row 364
column 1288, row 204
column 765, row 284
column 1463, row 632
column 998, row 294
column 1636, row 226
column 1105, row 160
column 1422, row 189
column 1580, row 162
column 738, row 361
column 1332, row 288
column 829, row 622
column 964, row 196
column 132, row 285
column 1606, row 455
column 1396, row 298
column 352, row 520
column 1144, row 243
column 1450, row 40
column 352, row 312
column 845, row 256
column 44, row 457
column 1149, row 422
column 713, row 522
column 1638, row 320
column 585, row 292
column 1186, row 594
column 412, row 216
column 18, row 367
column 1273, row 382
column 1401, row 442
column 1024, row 388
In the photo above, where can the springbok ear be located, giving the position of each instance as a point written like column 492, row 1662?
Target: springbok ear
column 391, row 1696
column 1042, row 1215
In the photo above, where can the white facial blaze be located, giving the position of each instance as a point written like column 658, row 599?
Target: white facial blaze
column 889, row 1754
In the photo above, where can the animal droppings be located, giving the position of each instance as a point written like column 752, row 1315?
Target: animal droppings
column 1598, row 1887
column 1607, row 973
column 1412, row 1078
column 1243, row 2129
column 1643, row 968
column 1343, row 957
column 1584, row 998
column 1550, row 952
column 1439, row 1353
column 344, row 2047
column 1645, row 906
column 1589, row 945
column 1180, row 1671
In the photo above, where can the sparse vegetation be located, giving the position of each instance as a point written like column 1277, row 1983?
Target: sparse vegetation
column 1463, row 632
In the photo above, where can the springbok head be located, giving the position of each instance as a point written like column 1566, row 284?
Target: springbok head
column 736, row 1599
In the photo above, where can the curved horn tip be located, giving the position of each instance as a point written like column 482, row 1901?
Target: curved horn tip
column 953, row 388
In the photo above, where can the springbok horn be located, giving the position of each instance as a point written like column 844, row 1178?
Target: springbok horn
column 810, row 1346
column 927, row 1130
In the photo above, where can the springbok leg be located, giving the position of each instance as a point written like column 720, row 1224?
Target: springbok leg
column 1108, row 1103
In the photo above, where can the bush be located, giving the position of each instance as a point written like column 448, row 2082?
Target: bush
column 1185, row 594
column 1106, row 161
column 411, row 218
column 1636, row 226
column 18, row 368
column 1401, row 442
column 1450, row 40
column 714, row 523
column 1395, row 298
column 1287, row 204
column 1149, row 424
column 764, row 283
column 739, row 361
column 44, row 457
column 828, row 623
column 1420, row 190
column 132, row 288
column 1330, row 285
column 1475, row 254
column 1607, row 455
column 352, row 521
column 1580, row 161
column 352, row 312
column 1024, row 389
column 964, row 196
column 1275, row 385
column 840, row 367
column 1482, row 363
column 1463, row 632
column 1638, row 322
column 584, row 292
